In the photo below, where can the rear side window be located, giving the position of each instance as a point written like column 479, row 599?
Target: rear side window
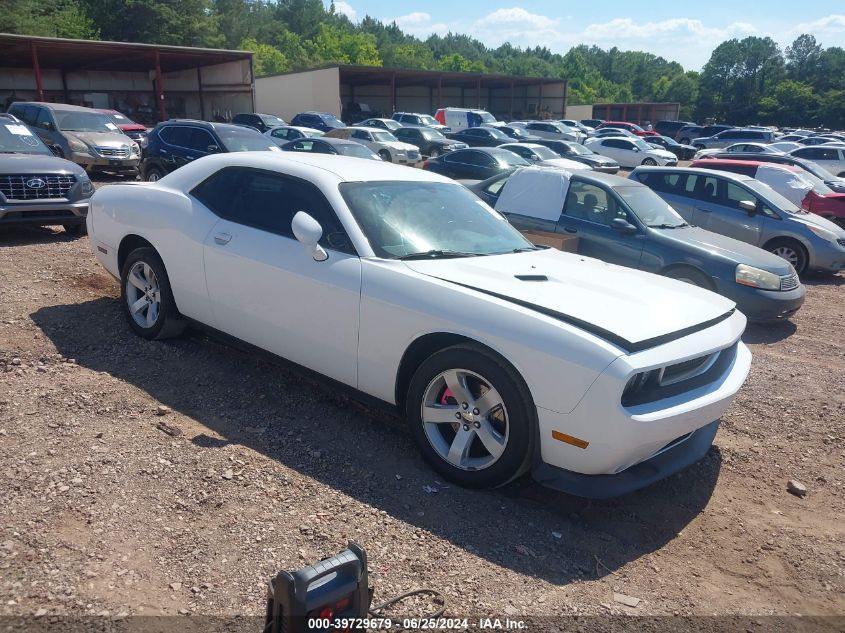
column 268, row 201
column 176, row 135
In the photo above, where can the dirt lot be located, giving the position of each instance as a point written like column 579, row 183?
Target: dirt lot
column 108, row 507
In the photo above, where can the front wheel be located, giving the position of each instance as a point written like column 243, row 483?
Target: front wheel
column 471, row 417
column 690, row 276
column 791, row 251
column 76, row 230
column 153, row 174
column 649, row 162
column 147, row 297
column 385, row 155
column 434, row 153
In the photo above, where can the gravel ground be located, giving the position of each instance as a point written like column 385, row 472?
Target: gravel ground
column 109, row 507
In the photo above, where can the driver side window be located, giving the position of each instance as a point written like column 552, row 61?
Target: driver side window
column 268, row 201
column 591, row 203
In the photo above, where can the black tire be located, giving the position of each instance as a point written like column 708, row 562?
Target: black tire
column 521, row 415
column 792, row 251
column 152, row 174
column 649, row 162
column 698, row 148
column 168, row 322
column 385, row 155
column 77, row 230
column 690, row 276
column 684, row 141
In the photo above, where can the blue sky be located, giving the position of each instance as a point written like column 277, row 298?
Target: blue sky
column 682, row 31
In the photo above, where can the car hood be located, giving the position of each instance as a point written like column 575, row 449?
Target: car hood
column 405, row 147
column 627, row 307
column 662, row 153
column 24, row 164
column 726, row 247
column 817, row 220
column 103, row 139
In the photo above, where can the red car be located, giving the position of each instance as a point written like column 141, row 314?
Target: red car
column 796, row 185
column 135, row 131
column 631, row 127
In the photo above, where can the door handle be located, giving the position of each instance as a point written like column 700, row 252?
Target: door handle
column 702, row 210
column 222, row 238
column 569, row 229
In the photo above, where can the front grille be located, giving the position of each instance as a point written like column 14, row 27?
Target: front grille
column 789, row 282
column 16, row 187
column 113, row 152
column 413, row 155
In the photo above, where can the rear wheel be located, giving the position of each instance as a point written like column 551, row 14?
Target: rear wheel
column 147, row 297
column 698, row 148
column 791, row 251
column 471, row 417
column 690, row 276
column 684, row 141
column 385, row 155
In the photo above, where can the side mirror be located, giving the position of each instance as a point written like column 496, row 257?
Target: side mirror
column 636, row 149
column 212, row 149
column 623, row 226
column 749, row 207
column 46, row 125
column 308, row 232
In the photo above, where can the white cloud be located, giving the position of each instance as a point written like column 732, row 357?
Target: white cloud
column 517, row 18
column 627, row 29
column 420, row 24
column 830, row 25
column 346, row 9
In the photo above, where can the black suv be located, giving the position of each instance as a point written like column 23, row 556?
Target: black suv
column 431, row 142
column 258, row 121
column 179, row 141
column 670, row 128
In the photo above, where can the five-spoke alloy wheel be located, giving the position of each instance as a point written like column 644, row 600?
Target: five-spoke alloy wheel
column 147, row 298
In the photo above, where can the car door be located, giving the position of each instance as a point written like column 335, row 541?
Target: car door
column 587, row 214
column 619, row 150
column 265, row 287
column 366, row 139
column 45, row 128
column 676, row 188
column 721, row 213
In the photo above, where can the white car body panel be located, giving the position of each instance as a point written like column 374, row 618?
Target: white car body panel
column 628, row 157
column 835, row 167
column 403, row 153
column 575, row 339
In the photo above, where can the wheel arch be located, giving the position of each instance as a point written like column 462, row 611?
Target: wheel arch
column 791, row 238
column 428, row 344
column 687, row 266
column 128, row 244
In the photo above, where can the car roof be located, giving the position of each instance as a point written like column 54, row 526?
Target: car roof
column 331, row 140
column 365, row 128
column 701, row 171
column 729, row 162
column 56, row 106
column 529, row 145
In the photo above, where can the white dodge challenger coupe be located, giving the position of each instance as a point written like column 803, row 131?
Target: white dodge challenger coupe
column 503, row 356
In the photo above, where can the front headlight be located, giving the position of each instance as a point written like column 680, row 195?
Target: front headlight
column 136, row 151
column 76, row 145
column 830, row 236
column 757, row 278
column 87, row 187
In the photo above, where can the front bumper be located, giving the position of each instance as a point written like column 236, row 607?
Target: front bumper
column 605, row 169
column 44, row 212
column 89, row 161
column 828, row 257
column 672, row 460
column 762, row 305
column 618, row 438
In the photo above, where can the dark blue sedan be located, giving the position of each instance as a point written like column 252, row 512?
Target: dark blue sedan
column 631, row 226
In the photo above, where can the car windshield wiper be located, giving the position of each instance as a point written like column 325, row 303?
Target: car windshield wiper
column 667, row 226
column 525, row 249
column 437, row 254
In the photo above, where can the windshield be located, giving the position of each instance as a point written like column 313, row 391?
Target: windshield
column 120, row 119
column 432, row 135
column 815, row 182
column 818, row 171
column 271, row 120
column 772, row 197
column 332, row 120
column 666, row 140
column 84, row 122
column 544, row 152
column 509, row 158
column 498, row 134
column 651, row 209
column 518, row 132
column 427, row 119
column 354, row 149
column 406, row 218
column 576, row 148
column 309, row 133
column 15, row 138
column 384, row 137
column 486, row 117
column 243, row 139
column 642, row 145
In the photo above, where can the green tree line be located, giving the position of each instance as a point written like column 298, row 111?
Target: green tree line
column 745, row 81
